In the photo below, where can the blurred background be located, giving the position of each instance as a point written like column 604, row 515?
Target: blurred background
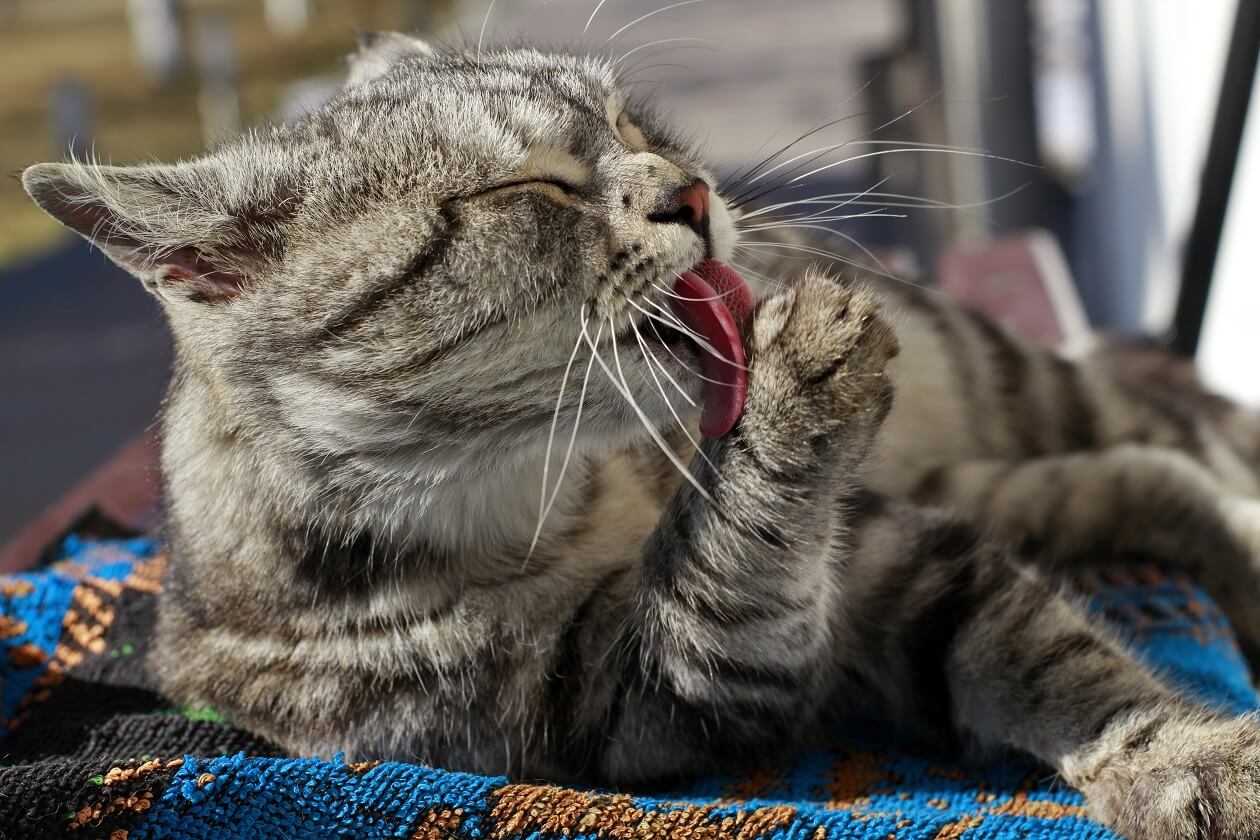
column 1095, row 117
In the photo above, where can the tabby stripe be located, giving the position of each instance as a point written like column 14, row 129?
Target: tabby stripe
column 772, row 609
column 953, row 346
column 778, row 475
column 1076, row 416
column 1010, row 368
column 730, row 671
column 357, row 313
column 1141, row 737
column 1058, row 654
column 962, row 589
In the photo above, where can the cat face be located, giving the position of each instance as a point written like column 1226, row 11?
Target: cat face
column 411, row 268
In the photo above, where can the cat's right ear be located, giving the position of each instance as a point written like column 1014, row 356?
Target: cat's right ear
column 166, row 225
column 379, row 51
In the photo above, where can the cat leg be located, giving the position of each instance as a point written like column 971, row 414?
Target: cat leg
column 951, row 628
column 729, row 653
column 1160, row 504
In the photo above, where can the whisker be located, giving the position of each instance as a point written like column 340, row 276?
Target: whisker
column 650, row 359
column 914, row 202
column 624, row 389
column 923, row 150
column 745, row 199
column 484, row 21
column 804, row 136
column 671, row 379
column 757, row 275
column 686, row 67
column 860, row 141
column 699, row 42
column 672, row 320
column 734, row 175
column 855, row 197
column 638, row 65
column 639, row 20
column 598, row 6
column 551, row 438
column 794, row 221
column 684, row 365
column 677, row 296
column 823, row 252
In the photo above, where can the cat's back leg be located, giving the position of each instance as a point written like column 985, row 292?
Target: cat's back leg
column 1126, row 502
column 955, row 630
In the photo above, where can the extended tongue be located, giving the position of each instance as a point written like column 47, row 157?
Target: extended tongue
column 704, row 300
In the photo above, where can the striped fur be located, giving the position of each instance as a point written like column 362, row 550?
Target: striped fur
column 374, row 309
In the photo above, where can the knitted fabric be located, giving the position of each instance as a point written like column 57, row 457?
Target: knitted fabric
column 90, row 750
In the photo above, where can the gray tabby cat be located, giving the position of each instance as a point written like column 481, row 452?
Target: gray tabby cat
column 374, row 310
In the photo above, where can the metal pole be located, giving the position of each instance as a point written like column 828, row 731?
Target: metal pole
column 1199, row 258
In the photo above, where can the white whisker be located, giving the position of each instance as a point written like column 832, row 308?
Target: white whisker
column 551, row 438
column 819, row 252
column 598, row 6
column 484, row 21
column 624, row 389
column 757, row 275
column 684, row 365
column 639, row 20
column 671, row 379
column 783, row 204
column 671, row 320
column 647, row 424
column 913, row 202
column 697, row 41
column 676, row 296
column 904, row 149
column 794, row 222
column 650, row 359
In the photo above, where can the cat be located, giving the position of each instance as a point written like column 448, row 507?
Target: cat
column 472, row 279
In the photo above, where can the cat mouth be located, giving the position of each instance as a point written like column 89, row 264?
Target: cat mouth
column 713, row 303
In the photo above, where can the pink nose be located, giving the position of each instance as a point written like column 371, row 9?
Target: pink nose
column 691, row 208
column 693, row 200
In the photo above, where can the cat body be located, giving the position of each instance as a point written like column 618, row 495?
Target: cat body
column 374, row 310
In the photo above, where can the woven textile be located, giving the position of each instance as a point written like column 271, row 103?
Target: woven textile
column 90, row 750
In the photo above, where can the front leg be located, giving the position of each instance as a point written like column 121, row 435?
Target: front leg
column 731, row 647
column 950, row 626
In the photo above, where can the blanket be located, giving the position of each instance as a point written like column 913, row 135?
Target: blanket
column 89, row 749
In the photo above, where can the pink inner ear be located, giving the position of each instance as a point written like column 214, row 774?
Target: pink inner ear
column 205, row 282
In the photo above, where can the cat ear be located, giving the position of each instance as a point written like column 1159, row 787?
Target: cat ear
column 160, row 223
column 379, row 51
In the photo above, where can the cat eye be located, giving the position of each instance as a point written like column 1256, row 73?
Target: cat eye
column 568, row 189
column 549, row 167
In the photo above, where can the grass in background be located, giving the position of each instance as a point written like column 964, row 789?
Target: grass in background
column 43, row 42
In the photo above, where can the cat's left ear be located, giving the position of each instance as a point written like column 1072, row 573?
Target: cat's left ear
column 170, row 226
column 380, row 51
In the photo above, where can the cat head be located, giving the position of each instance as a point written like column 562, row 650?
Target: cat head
column 409, row 269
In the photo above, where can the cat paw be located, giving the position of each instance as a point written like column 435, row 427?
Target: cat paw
column 819, row 352
column 1194, row 781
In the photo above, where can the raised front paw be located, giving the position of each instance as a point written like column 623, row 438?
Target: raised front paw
column 819, row 351
column 1190, row 781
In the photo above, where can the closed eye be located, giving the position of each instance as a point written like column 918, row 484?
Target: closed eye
column 563, row 186
column 556, row 188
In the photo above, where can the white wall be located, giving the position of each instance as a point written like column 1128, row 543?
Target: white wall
column 1183, row 54
column 1230, row 351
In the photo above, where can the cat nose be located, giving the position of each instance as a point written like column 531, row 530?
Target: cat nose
column 690, row 207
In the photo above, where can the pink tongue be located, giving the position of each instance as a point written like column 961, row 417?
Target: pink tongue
column 712, row 301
